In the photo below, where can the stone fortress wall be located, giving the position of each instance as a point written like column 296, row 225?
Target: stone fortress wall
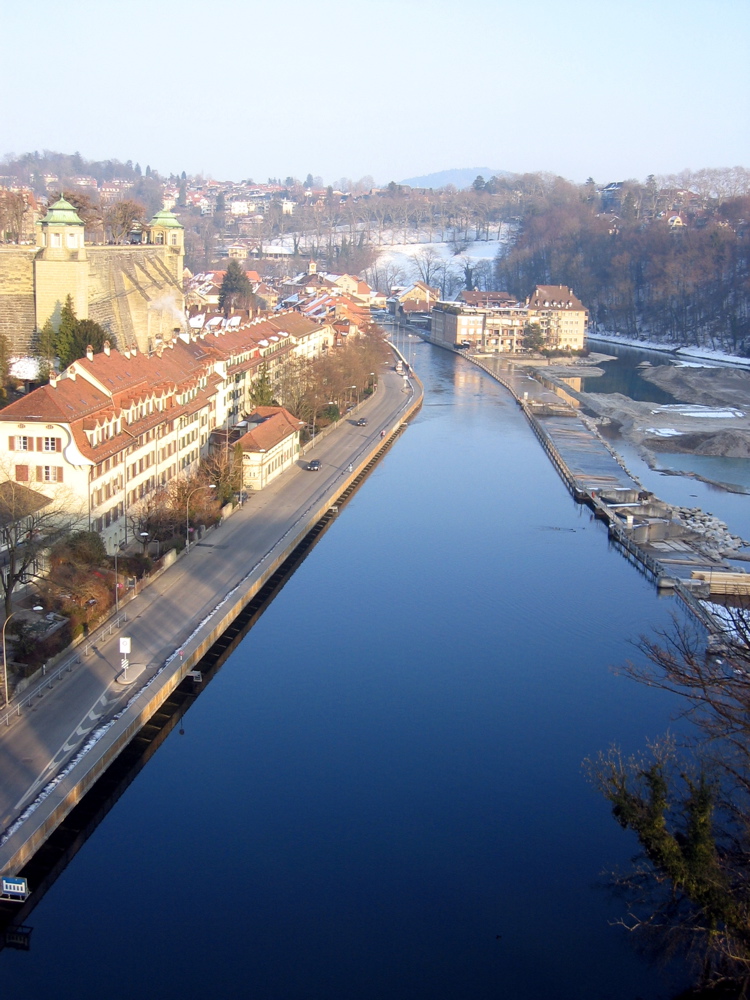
column 133, row 291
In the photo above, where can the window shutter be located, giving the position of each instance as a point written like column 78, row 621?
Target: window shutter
column 22, row 473
column 40, row 444
column 59, row 475
column 58, row 444
column 39, row 474
column 11, row 444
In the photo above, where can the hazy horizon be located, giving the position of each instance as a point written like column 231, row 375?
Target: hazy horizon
column 383, row 90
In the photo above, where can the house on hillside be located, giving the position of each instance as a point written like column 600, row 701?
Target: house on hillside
column 418, row 298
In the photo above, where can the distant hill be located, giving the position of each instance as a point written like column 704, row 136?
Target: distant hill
column 460, row 178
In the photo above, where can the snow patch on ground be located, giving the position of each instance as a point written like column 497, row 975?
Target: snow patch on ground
column 713, row 412
column 663, row 432
column 25, row 368
column 405, row 255
column 718, row 357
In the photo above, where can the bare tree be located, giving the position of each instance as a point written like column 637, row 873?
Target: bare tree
column 121, row 217
column 427, row 264
column 12, row 210
column 689, row 805
column 29, row 523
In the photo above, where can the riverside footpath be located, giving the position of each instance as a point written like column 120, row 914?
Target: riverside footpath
column 53, row 752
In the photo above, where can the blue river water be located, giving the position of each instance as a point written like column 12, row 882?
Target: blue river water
column 382, row 793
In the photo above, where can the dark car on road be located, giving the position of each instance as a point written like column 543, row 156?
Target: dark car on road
column 362, row 422
column 313, row 466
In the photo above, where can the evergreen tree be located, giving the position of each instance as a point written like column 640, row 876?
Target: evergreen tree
column 235, row 292
column 4, row 366
column 74, row 335
column 45, row 349
column 66, row 334
column 90, row 333
column 261, row 392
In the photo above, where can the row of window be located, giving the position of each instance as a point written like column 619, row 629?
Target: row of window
column 107, row 491
column 111, row 517
column 24, row 442
column 39, row 474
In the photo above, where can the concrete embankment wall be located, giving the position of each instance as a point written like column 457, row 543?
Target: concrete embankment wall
column 629, row 546
column 46, row 815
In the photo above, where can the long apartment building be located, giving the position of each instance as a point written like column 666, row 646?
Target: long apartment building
column 499, row 328
column 115, row 426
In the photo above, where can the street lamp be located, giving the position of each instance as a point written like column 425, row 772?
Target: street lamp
column 38, row 607
column 187, row 513
column 144, row 536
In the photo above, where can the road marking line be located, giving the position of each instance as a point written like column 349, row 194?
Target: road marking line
column 66, row 748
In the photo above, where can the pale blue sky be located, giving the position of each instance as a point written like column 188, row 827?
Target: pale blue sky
column 391, row 88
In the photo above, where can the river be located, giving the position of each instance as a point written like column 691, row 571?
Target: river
column 382, row 794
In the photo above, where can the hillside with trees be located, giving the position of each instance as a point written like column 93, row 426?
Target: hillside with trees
column 666, row 260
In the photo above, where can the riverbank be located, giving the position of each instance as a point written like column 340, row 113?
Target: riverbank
column 171, row 626
column 700, row 353
column 709, row 414
column 680, row 548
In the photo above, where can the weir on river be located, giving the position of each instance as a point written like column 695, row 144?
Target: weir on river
column 674, row 555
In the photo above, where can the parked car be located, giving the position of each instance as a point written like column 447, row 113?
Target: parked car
column 362, row 422
column 313, row 466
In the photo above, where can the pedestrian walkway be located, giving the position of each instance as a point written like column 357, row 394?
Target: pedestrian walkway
column 81, row 723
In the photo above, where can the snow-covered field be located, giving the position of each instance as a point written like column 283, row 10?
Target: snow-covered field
column 403, row 254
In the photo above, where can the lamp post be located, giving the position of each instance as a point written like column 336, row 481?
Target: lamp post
column 117, row 583
column 374, row 383
column 38, row 607
column 144, row 536
column 187, row 513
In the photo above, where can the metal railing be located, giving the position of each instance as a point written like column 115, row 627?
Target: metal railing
column 26, row 699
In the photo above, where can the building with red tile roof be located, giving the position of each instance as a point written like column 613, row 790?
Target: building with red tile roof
column 270, row 446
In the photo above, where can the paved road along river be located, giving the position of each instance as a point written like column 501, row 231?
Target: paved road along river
column 178, row 611
column 381, row 794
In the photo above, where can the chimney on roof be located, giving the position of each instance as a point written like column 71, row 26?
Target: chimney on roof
column 134, row 350
column 126, row 353
column 184, row 335
column 71, row 372
column 53, row 379
column 89, row 352
column 107, row 347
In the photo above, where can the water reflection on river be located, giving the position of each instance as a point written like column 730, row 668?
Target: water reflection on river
column 381, row 795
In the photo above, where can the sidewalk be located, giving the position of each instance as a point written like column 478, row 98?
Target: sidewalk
column 88, row 717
